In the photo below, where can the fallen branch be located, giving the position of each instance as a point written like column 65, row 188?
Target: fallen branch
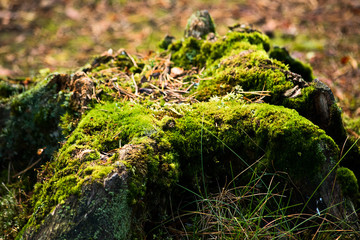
column 27, row 169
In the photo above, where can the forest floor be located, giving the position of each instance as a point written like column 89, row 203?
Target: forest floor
column 62, row 35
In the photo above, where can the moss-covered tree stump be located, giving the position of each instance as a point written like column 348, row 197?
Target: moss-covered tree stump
column 141, row 136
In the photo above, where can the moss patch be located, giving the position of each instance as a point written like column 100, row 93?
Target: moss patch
column 252, row 70
column 290, row 142
column 295, row 65
column 348, row 182
column 195, row 52
column 90, row 155
column 217, row 128
column 103, row 129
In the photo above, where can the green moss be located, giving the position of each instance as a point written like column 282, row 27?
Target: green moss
column 104, row 128
column 166, row 143
column 33, row 124
column 165, row 43
column 290, row 142
column 352, row 124
column 348, row 181
column 7, row 90
column 304, row 103
column 98, row 171
column 154, row 169
column 187, row 52
column 67, row 123
column 295, row 65
column 66, row 181
column 287, row 135
column 256, row 71
column 253, row 71
column 195, row 52
column 108, row 126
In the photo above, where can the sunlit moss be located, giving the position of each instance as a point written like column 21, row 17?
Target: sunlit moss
column 195, row 52
column 252, row 70
column 279, row 133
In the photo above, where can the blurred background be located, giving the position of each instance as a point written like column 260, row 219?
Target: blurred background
column 62, row 35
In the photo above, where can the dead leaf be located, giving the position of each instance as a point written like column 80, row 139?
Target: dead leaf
column 176, row 71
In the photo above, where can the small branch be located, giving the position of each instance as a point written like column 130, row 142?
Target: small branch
column 27, row 169
column 162, row 92
column 188, row 88
column 9, row 168
column 132, row 59
column 179, row 91
column 136, row 87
